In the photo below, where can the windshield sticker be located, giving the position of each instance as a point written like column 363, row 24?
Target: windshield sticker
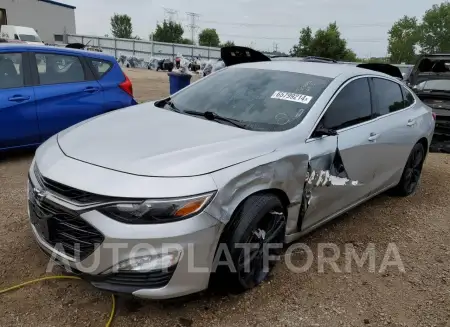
column 295, row 97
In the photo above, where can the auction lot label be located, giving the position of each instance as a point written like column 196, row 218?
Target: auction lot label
column 288, row 96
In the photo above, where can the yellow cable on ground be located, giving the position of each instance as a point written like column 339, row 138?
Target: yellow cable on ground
column 15, row 287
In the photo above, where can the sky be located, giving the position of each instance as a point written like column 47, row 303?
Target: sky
column 265, row 25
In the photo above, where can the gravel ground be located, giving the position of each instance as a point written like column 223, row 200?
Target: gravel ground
column 420, row 296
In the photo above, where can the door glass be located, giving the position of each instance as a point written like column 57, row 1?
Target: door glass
column 57, row 69
column 350, row 107
column 101, row 66
column 11, row 70
column 388, row 95
column 408, row 97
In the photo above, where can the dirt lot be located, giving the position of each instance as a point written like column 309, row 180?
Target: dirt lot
column 418, row 225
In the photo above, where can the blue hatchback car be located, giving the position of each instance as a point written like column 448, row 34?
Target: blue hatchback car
column 45, row 89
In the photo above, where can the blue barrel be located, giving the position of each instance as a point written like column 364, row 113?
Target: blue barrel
column 178, row 81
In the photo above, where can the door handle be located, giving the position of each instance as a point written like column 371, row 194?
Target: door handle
column 411, row 123
column 91, row 89
column 373, row 137
column 19, row 98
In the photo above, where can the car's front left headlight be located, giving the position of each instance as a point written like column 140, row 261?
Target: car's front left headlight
column 157, row 211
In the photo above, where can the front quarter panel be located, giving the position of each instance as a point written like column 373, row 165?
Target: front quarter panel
column 285, row 171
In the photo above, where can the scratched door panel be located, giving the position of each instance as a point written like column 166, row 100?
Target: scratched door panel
column 359, row 160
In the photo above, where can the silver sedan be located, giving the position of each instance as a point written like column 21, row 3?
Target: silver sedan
column 149, row 199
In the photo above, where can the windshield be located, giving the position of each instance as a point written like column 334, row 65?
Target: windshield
column 264, row 100
column 435, row 84
column 29, row 38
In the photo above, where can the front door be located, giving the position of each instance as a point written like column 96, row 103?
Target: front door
column 18, row 122
column 343, row 174
column 66, row 93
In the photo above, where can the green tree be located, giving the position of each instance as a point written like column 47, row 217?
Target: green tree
column 168, row 31
column 325, row 43
column 209, row 37
column 403, row 38
column 121, row 26
column 304, row 43
column 227, row 44
column 186, row 41
column 435, row 29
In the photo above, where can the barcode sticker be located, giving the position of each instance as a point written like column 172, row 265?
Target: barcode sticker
column 288, row 96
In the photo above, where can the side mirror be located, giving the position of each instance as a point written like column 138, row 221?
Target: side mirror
column 322, row 131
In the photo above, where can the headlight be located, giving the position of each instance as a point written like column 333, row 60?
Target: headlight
column 157, row 211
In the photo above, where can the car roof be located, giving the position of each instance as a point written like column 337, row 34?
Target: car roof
column 330, row 70
column 47, row 48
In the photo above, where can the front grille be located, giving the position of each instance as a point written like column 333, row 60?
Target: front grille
column 68, row 192
column 67, row 232
column 153, row 279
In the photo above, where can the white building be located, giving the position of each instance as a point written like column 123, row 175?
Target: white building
column 51, row 19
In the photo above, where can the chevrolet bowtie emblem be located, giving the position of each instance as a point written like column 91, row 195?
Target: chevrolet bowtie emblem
column 39, row 194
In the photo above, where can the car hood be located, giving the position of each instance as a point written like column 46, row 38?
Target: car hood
column 150, row 141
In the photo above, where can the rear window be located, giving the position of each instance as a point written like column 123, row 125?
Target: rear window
column 265, row 100
column 434, row 65
column 101, row 67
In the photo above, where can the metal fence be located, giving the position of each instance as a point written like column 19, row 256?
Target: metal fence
column 144, row 49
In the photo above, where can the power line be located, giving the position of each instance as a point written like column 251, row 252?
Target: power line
column 170, row 14
column 385, row 24
column 193, row 26
column 294, row 38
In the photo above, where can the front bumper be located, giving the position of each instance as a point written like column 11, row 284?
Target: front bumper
column 195, row 238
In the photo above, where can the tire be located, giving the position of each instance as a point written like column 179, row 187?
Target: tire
column 170, row 69
column 251, row 223
column 411, row 173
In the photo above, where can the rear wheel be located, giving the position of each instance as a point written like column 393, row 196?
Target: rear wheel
column 411, row 173
column 258, row 222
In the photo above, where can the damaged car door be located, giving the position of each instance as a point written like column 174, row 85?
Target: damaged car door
column 341, row 169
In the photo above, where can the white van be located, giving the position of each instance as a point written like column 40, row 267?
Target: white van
column 22, row 33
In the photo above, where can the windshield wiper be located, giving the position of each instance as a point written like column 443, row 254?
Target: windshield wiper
column 168, row 102
column 207, row 114
column 213, row 116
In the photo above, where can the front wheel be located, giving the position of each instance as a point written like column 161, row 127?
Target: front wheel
column 254, row 236
column 411, row 173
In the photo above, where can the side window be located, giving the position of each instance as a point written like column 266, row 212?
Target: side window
column 388, row 95
column 350, row 107
column 11, row 70
column 408, row 98
column 58, row 69
column 101, row 67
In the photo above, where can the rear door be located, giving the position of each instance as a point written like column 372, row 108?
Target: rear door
column 66, row 91
column 397, row 124
column 349, row 169
column 18, row 122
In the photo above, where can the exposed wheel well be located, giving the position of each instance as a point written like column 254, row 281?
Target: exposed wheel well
column 424, row 142
column 277, row 192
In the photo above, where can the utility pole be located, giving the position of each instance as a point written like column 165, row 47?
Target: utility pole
column 170, row 14
column 193, row 26
column 275, row 47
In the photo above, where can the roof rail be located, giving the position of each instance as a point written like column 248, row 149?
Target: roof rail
column 321, row 59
